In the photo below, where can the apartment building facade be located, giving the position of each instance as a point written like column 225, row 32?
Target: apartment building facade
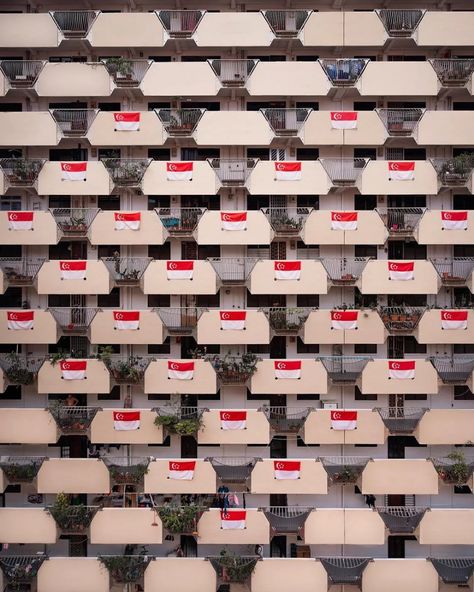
column 236, row 311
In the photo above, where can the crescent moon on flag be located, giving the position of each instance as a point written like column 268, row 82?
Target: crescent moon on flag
column 174, row 466
column 447, row 216
column 337, row 415
column 225, row 416
column 393, row 266
column 281, row 365
column 337, row 316
column 337, row 216
column 280, row 466
column 174, row 366
column 66, row 366
column 447, row 316
column 119, row 316
column 280, row 266
column 226, row 217
column 119, row 416
column 13, row 217
column 396, row 366
column 119, row 216
column 172, row 167
column 225, row 315
column 280, row 166
column 173, row 266
column 13, row 316
column 119, row 117
column 66, row 266
column 394, row 166
column 338, row 115
column 67, row 167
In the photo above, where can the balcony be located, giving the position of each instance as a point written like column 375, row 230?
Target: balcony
column 234, row 369
column 349, row 526
column 232, row 172
column 203, row 381
column 402, row 420
column 181, row 320
column 375, row 279
column 104, row 329
column 23, row 526
column 312, row 480
column 344, row 370
column 454, row 172
column 445, row 426
column 344, row 470
column 21, row 571
column 74, row 79
column 180, row 24
column 21, row 172
column 103, row 131
column 454, row 272
column 319, row 328
column 97, row 379
column 288, row 78
column 231, row 29
column 313, row 279
column 19, row 369
column 346, row 271
column 394, row 575
column 203, row 481
column 21, row 469
column 398, row 79
column 401, row 320
column 74, row 24
column 343, row 71
column 306, row 575
column 286, row 122
column 97, row 279
column 344, row 172
column 454, row 469
column 445, row 128
column 257, row 430
column 442, row 28
column 51, row 182
column 126, row 172
column 27, row 426
column 74, row 320
column 430, row 329
column 401, row 520
column 235, row 471
column 233, row 271
column 21, row 74
column 88, row 571
column 72, row 520
column 125, row 72
column 318, row 230
column 29, row 30
column 400, row 23
column 313, row 379
column 20, row 272
column 211, row 331
column 28, row 128
column 73, row 421
column 179, row 122
column 157, row 180
column 104, row 230
column 73, row 123
column 454, row 370
column 125, row 569
column 127, row 470
column 454, row 72
column 74, row 223
column 431, row 230
column 263, row 181
column 212, row 230
column 126, row 271
column 375, row 379
column 286, row 321
column 180, row 222
column 286, row 221
column 155, row 280
column 318, row 429
column 126, row 526
column 400, row 476
column 44, row 328
column 232, row 73
column 73, row 475
column 286, row 420
column 102, row 430
column 286, row 23
column 401, row 122
column 43, row 229
column 401, row 223
column 233, row 128
column 127, row 370
column 287, row 520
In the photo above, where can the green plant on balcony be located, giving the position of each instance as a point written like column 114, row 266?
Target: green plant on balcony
column 180, row 519
column 129, row 475
column 20, row 572
column 281, row 222
column 126, row 371
column 21, row 473
column 22, row 172
column 125, row 569
column 17, row 371
column 285, row 319
column 232, row 568
column 235, row 369
column 455, row 472
column 457, row 169
column 120, row 67
column 76, row 224
column 174, row 423
column 125, row 172
column 70, row 518
column 345, row 474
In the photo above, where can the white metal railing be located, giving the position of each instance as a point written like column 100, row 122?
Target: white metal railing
column 343, row 171
column 180, row 23
column 400, row 23
column 286, row 122
column 126, row 72
column 74, row 23
column 288, row 221
column 454, row 271
column 233, row 270
column 344, row 270
column 22, row 73
column 401, row 319
column 401, row 122
column 21, row 172
column 286, row 23
column 179, row 122
column 453, row 71
column 126, row 172
column 180, row 320
column 232, row 72
column 20, row 271
column 343, row 71
column 455, row 171
column 180, row 221
column 401, row 222
column 74, row 319
column 232, row 172
column 74, row 222
column 74, row 122
column 126, row 270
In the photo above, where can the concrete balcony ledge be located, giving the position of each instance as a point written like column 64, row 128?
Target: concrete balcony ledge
column 97, row 280
column 97, row 379
column 203, row 182
column 313, row 279
column 28, row 128
column 103, row 231
column 155, row 280
column 139, row 526
column 375, row 179
column 203, row 382
column 370, row 230
column 313, row 478
column 89, row 79
column 375, row 379
column 73, row 475
column 375, row 279
column 203, row 481
column 314, row 180
column 44, row 330
column 313, row 379
column 370, row 329
column 209, row 230
column 370, row 429
column 257, row 329
column 97, row 181
column 400, row 476
column 43, row 232
column 150, row 329
column 102, row 131
column 27, row 526
column 257, row 430
column 398, row 79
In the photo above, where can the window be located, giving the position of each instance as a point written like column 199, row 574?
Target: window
column 314, row 105
column 463, row 348
column 308, row 397
column 199, row 153
column 359, row 396
column 58, row 154
column 160, row 348
column 11, row 393
column 109, row 300
column 208, row 105
column 11, row 107
column 406, row 201
column 12, row 298
column 158, row 201
column 411, row 345
column 365, row 348
column 413, row 397
column 307, row 300
column 307, row 201
column 462, row 202
column 307, row 153
column 307, row 58
column 208, row 300
column 463, row 393
column 114, row 395
column 365, row 251
column 463, row 105
column 406, row 250
column 159, row 154
column 365, row 153
column 108, row 202
column 265, row 300
column 306, row 348
column 364, row 105
column 158, row 300
column 159, row 251
column 110, row 106
column 159, row 58
column 365, row 202
column 159, row 105
column 109, row 153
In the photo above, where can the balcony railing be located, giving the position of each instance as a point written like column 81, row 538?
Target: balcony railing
column 126, row 271
column 286, row 420
column 286, row 122
column 232, row 73
column 400, row 23
column 343, row 71
column 180, row 320
column 73, row 420
column 233, row 270
column 401, row 519
column 126, row 73
column 74, row 320
column 401, row 420
column 126, row 569
column 454, row 172
column 20, row 570
column 20, row 369
column 400, row 122
column 127, row 369
column 233, row 569
column 286, row 23
column 74, row 24
column 454, row 370
column 235, row 470
column 234, row 369
column 126, row 172
column 74, row 123
column 19, row 271
column 344, row 172
column 73, row 520
column 401, row 222
column 401, row 319
column 21, row 469
column 22, row 73
column 179, row 520
column 285, row 520
column 21, row 172
column 345, row 571
column 344, row 271
column 344, row 369
column 232, row 172
column 286, row 221
column 180, row 23
column 74, row 223
column 127, row 470
column 454, row 272
column 179, row 122
column 454, row 71
column 344, row 470
column 286, row 321
column 180, row 221
column 182, row 420
column 456, row 571
column 454, row 469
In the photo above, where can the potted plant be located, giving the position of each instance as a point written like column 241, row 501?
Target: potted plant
column 345, row 474
column 24, row 472
column 456, row 471
column 125, row 569
column 180, row 519
column 232, row 568
column 127, row 475
column 456, row 170
column 231, row 369
column 17, row 371
column 281, row 222
column 174, row 423
column 121, row 68
column 22, row 171
column 71, row 518
column 129, row 371
column 73, row 225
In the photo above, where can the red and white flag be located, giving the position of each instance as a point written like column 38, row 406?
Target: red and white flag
column 401, row 270
column 344, row 220
column 233, row 420
column 126, row 320
column 287, row 470
column 287, row 369
column 401, row 369
column 126, row 421
column 180, row 270
column 179, row 171
column 127, row 121
column 181, row 470
column 233, row 519
column 73, row 369
column 343, row 420
column 287, row 270
column 454, row 319
column 180, row 370
column 344, row 319
column 456, row 220
column 20, row 220
column 233, row 220
column 127, row 220
column 20, row 320
column 233, row 320
column 344, row 120
column 73, row 171
column 73, row 270
column 288, row 171
column 401, row 171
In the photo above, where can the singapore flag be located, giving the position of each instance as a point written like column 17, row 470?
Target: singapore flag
column 287, row 369
column 233, row 320
column 73, row 369
column 401, row 171
column 127, row 121
column 126, row 421
column 180, row 370
column 234, row 221
column 181, row 470
column 233, row 519
column 179, row 270
column 20, row 320
column 344, row 120
column 454, row 220
column 287, row 470
column 127, row 220
column 73, row 171
column 126, row 320
column 343, row 420
column 401, row 369
column 73, row 270
column 401, row 270
column 233, row 420
column 454, row 319
column 179, row 171
column 344, row 319
column 287, row 270
column 288, row 171
column 344, row 220
column 20, row 220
